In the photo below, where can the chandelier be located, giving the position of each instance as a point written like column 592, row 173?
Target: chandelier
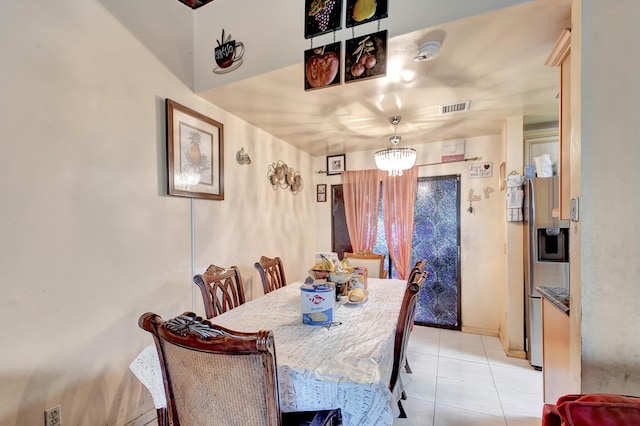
column 394, row 160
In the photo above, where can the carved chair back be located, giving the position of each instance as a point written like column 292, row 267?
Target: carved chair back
column 221, row 289
column 213, row 375
column 271, row 273
column 374, row 262
column 417, row 269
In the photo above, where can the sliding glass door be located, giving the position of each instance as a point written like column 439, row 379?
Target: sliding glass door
column 436, row 238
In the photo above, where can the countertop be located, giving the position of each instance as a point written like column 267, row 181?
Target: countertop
column 559, row 296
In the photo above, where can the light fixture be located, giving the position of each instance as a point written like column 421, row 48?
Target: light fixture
column 242, row 157
column 428, row 51
column 394, row 160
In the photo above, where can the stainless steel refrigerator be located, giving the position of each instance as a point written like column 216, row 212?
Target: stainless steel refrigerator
column 546, row 253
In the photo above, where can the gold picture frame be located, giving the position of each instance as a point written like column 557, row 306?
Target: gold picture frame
column 195, row 153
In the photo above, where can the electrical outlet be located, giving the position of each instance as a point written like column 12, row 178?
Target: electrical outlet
column 52, row 416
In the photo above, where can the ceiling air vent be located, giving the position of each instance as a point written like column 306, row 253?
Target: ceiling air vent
column 454, row 108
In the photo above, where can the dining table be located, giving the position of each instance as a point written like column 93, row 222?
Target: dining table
column 346, row 364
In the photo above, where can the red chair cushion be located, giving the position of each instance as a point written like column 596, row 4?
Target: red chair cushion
column 599, row 409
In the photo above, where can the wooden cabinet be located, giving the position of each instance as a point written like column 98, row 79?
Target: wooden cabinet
column 561, row 57
column 555, row 352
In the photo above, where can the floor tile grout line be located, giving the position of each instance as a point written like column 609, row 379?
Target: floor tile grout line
column 495, row 385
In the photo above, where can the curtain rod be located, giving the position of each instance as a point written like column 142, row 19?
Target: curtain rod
column 428, row 164
column 447, row 162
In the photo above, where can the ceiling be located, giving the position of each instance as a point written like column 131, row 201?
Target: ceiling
column 494, row 60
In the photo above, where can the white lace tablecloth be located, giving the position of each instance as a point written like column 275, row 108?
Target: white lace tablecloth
column 346, row 366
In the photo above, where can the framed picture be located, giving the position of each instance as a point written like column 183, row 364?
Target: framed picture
column 336, row 164
column 321, row 192
column 194, row 153
column 365, row 57
column 321, row 16
column 322, row 66
column 357, row 15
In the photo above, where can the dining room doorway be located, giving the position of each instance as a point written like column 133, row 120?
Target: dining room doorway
column 436, row 238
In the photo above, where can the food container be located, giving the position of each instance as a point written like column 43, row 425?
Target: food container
column 357, row 281
column 317, row 303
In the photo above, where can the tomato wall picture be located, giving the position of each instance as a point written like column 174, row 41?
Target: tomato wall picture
column 365, row 57
column 322, row 66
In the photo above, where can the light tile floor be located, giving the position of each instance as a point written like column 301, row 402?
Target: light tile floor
column 462, row 379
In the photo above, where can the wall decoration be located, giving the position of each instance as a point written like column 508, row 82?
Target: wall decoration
column 480, row 170
column 322, row 66
column 336, row 164
column 321, row 192
column 361, row 11
column 228, row 54
column 282, row 176
column 242, row 157
column 452, row 151
column 365, row 57
column 321, row 16
column 194, row 153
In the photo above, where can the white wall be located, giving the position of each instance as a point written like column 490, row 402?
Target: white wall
column 273, row 32
column 90, row 241
column 610, row 196
column 483, row 259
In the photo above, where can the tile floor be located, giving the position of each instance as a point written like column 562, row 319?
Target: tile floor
column 467, row 380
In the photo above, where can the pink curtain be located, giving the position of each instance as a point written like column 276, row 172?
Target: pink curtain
column 361, row 191
column 398, row 200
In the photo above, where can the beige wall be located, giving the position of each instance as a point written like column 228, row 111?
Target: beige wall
column 609, row 195
column 90, row 241
column 483, row 258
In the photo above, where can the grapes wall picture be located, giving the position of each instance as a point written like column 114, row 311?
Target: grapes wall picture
column 321, row 16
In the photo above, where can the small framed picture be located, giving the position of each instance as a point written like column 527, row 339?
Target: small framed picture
column 365, row 57
column 322, row 66
column 336, row 164
column 321, row 192
column 322, row 17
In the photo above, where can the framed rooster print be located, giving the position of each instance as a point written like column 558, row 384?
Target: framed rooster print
column 195, row 153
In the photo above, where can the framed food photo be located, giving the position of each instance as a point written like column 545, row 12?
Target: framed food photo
column 321, row 192
column 195, row 153
column 322, row 16
column 365, row 57
column 362, row 11
column 322, row 66
column 336, row 164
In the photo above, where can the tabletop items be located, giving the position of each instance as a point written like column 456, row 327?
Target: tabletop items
column 310, row 375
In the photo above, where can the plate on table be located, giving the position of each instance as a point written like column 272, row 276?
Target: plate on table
column 364, row 299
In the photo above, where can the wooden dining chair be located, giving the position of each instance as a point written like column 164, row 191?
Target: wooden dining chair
column 418, row 268
column 374, row 262
column 221, row 289
column 403, row 329
column 216, row 376
column 271, row 273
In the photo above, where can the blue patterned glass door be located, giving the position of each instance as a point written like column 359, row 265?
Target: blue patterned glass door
column 436, row 238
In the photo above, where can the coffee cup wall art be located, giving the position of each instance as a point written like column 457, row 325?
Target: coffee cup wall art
column 228, row 54
column 322, row 16
column 322, row 66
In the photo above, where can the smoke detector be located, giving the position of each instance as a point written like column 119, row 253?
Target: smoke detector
column 428, row 51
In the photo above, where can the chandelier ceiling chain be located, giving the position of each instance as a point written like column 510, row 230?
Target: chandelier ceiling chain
column 394, row 160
